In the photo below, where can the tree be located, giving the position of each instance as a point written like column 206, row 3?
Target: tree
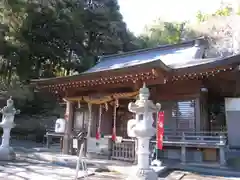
column 222, row 30
column 162, row 33
column 223, row 35
column 59, row 37
column 223, row 11
column 56, row 38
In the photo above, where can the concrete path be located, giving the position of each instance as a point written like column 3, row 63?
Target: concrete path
column 107, row 176
column 54, row 160
column 27, row 168
column 124, row 167
column 71, row 161
column 185, row 175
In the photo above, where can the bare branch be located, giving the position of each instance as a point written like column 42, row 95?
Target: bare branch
column 222, row 33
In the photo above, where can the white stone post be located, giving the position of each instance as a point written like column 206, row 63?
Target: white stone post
column 6, row 136
column 143, row 130
column 183, row 149
column 8, row 114
column 222, row 151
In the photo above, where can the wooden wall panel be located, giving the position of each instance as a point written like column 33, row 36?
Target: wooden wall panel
column 178, row 91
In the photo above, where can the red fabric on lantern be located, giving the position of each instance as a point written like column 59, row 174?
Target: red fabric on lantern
column 160, row 130
column 114, row 134
column 98, row 133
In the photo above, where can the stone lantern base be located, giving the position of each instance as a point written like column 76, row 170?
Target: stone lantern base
column 7, row 154
column 143, row 174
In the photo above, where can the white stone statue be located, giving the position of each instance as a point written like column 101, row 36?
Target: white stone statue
column 142, row 128
column 8, row 114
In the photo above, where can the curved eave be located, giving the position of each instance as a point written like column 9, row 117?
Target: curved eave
column 212, row 64
column 103, row 74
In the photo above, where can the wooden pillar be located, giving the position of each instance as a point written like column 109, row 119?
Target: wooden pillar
column 68, row 128
column 204, row 111
column 89, row 120
column 198, row 114
column 89, row 128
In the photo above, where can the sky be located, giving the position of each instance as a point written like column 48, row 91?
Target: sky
column 138, row 13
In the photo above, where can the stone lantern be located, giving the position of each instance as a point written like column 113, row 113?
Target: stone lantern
column 8, row 114
column 142, row 128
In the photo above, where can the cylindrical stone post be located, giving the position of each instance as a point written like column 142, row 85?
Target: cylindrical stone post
column 183, row 149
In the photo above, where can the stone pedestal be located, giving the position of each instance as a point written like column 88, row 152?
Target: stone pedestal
column 143, row 174
column 143, row 171
column 8, row 113
column 142, row 129
column 6, row 152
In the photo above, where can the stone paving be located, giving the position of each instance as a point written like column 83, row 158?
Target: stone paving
column 106, row 176
column 27, row 167
column 192, row 176
column 184, row 175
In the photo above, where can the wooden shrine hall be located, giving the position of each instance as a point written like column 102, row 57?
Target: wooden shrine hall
column 191, row 89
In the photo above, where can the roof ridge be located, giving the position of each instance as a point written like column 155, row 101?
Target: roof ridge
column 179, row 45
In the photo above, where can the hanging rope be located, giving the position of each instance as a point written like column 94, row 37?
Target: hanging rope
column 125, row 95
column 90, row 120
column 116, row 104
column 106, row 106
column 98, row 134
column 103, row 99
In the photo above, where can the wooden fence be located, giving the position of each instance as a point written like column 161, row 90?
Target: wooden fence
column 125, row 150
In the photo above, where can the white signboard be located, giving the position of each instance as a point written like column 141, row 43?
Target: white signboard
column 75, row 143
column 97, row 146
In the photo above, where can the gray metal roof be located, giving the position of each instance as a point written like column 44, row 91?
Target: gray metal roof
column 172, row 57
column 184, row 57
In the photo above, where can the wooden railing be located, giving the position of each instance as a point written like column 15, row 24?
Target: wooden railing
column 196, row 139
column 125, row 150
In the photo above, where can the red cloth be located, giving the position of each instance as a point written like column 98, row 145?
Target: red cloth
column 114, row 134
column 98, row 133
column 160, row 130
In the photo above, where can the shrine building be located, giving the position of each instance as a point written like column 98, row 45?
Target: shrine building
column 197, row 95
